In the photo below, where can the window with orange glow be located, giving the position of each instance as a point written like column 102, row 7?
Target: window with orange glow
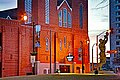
column 60, row 45
column 65, row 41
column 47, row 44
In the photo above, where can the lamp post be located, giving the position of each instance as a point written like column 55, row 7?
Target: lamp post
column 92, row 56
column 33, row 53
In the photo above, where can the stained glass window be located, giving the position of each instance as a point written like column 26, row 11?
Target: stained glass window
column 69, row 20
column 60, row 18
column 64, row 17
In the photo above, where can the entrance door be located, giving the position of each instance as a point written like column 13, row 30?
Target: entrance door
column 64, row 69
column 77, row 69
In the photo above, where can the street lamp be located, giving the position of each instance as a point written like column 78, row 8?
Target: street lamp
column 97, row 43
column 33, row 53
column 25, row 18
column 92, row 56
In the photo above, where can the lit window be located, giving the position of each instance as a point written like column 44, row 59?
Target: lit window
column 47, row 11
column 80, row 51
column 28, row 10
column 60, row 18
column 81, row 16
column 69, row 45
column 69, row 20
column 65, row 17
column 47, row 44
column 60, row 45
column 65, row 40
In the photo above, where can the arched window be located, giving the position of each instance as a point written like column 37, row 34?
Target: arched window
column 60, row 18
column 64, row 17
column 65, row 41
column 47, row 44
column 60, row 45
column 81, row 16
column 80, row 51
column 69, row 20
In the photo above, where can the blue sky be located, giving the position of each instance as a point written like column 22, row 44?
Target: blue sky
column 98, row 19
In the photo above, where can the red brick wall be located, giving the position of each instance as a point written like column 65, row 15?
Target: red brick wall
column 9, row 47
column 25, row 48
column 53, row 13
column 38, row 11
column 16, row 48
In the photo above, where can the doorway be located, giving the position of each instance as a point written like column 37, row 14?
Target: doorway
column 64, row 69
column 77, row 69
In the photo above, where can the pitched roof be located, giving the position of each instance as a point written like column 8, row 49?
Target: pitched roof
column 12, row 13
column 68, row 2
column 60, row 1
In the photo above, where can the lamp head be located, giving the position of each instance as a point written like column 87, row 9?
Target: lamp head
column 25, row 18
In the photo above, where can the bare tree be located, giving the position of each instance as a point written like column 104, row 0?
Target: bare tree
column 103, row 1
column 101, row 7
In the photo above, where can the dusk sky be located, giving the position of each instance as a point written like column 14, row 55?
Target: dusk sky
column 98, row 21
column 7, row 4
column 98, row 18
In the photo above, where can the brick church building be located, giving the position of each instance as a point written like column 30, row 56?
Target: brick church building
column 61, row 30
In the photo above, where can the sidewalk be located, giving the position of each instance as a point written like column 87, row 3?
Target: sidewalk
column 104, row 73
column 91, row 73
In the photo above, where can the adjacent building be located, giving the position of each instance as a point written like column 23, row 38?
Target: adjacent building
column 61, row 31
column 15, row 48
column 115, row 36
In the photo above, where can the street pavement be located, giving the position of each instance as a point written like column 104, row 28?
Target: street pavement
column 104, row 75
